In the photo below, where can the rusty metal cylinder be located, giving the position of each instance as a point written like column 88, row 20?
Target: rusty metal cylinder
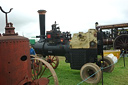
column 108, row 41
column 15, row 65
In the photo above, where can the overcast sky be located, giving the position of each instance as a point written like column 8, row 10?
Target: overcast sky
column 71, row 15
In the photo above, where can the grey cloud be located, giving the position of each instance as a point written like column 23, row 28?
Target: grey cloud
column 18, row 20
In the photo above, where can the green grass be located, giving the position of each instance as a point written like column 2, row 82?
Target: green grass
column 68, row 76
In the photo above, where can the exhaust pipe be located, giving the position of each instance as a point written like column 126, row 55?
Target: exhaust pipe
column 42, row 23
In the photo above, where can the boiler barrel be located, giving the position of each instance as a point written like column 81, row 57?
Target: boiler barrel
column 47, row 49
column 108, row 41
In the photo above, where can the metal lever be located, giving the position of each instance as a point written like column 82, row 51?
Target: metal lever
column 5, row 14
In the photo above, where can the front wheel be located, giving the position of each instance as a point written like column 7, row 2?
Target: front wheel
column 90, row 73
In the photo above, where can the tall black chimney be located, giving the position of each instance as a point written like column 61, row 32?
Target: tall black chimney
column 42, row 22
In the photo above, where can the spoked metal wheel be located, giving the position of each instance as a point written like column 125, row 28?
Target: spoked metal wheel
column 46, row 72
column 121, row 42
column 36, row 67
column 90, row 73
column 53, row 60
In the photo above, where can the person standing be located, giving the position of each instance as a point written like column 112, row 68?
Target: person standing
column 32, row 51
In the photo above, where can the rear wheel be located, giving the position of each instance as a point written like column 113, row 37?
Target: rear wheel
column 121, row 42
column 108, row 64
column 90, row 73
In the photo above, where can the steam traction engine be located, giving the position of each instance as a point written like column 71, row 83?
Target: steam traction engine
column 80, row 51
column 16, row 67
column 53, row 44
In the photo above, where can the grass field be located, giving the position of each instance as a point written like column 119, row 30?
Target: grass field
column 68, row 76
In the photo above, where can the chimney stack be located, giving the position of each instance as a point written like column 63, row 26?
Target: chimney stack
column 42, row 22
